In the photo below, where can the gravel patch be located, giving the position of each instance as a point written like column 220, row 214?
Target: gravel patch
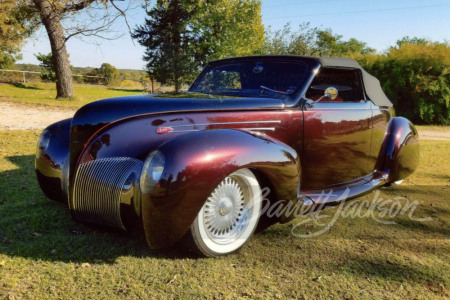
column 15, row 116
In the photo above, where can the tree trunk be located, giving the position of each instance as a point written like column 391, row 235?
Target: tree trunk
column 51, row 17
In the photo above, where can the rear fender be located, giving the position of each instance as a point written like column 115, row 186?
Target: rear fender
column 399, row 153
column 197, row 162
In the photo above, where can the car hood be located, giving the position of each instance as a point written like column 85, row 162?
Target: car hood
column 106, row 111
column 93, row 116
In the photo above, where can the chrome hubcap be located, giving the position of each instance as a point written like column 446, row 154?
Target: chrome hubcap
column 230, row 214
column 224, row 209
column 225, row 206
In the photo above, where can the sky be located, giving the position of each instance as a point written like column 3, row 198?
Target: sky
column 379, row 23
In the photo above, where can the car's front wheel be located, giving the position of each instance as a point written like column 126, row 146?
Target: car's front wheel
column 229, row 216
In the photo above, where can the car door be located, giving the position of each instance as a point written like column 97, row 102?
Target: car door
column 338, row 131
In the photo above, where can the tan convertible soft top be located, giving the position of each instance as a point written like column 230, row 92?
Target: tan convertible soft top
column 371, row 83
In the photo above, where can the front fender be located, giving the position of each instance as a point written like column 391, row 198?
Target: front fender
column 399, row 153
column 197, row 162
column 51, row 161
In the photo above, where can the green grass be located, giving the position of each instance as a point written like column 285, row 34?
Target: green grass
column 438, row 128
column 43, row 253
column 45, row 93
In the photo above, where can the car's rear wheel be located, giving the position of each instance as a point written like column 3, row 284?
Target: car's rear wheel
column 229, row 216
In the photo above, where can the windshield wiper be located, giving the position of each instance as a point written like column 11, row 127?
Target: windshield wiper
column 265, row 88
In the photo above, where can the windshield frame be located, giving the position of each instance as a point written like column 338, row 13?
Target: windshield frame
column 290, row 100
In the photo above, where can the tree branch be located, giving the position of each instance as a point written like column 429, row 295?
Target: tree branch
column 77, row 6
column 93, row 31
column 123, row 15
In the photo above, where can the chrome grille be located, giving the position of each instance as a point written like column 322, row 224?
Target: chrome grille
column 98, row 187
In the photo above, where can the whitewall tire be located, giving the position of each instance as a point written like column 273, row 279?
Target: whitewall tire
column 229, row 216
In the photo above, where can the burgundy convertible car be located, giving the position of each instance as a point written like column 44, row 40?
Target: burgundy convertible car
column 191, row 167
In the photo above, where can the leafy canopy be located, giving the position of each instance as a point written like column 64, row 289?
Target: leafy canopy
column 180, row 36
column 15, row 18
column 307, row 40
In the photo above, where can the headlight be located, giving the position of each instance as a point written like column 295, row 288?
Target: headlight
column 43, row 142
column 152, row 171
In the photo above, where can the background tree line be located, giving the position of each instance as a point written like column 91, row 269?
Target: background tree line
column 180, row 36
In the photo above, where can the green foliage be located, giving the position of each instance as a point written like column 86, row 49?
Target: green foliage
column 415, row 75
column 289, row 42
column 180, row 36
column 329, row 44
column 413, row 40
column 230, row 27
column 7, row 60
column 47, row 67
column 14, row 27
column 169, row 42
column 107, row 74
column 307, row 40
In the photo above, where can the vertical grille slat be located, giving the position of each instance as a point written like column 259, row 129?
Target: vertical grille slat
column 98, row 187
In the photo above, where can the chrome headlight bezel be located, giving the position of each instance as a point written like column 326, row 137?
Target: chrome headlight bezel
column 43, row 143
column 152, row 171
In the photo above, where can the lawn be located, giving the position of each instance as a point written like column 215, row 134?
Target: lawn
column 438, row 128
column 45, row 93
column 44, row 254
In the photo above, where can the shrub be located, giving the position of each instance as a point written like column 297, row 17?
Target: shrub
column 415, row 75
column 130, row 84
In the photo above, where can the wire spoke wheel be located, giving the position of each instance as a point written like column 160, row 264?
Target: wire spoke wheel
column 229, row 215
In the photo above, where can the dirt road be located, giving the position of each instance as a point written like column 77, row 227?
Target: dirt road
column 15, row 116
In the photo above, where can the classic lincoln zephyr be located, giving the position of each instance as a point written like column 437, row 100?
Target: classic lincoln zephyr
column 191, row 167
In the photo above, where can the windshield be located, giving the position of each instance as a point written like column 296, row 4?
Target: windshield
column 252, row 79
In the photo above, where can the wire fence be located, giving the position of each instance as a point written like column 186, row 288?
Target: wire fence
column 149, row 86
column 33, row 72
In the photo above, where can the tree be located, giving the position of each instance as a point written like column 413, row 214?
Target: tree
column 53, row 13
column 180, row 36
column 48, row 69
column 412, row 41
column 15, row 25
column 109, row 73
column 312, row 41
column 230, row 27
column 169, row 42
column 288, row 42
column 105, row 75
column 92, row 77
column 332, row 45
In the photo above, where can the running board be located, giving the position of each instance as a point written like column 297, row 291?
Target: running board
column 333, row 195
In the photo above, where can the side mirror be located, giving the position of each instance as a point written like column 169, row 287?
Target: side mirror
column 331, row 93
